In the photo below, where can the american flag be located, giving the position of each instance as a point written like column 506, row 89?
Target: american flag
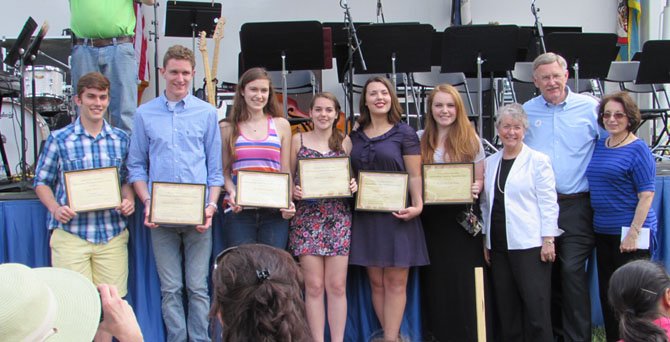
column 141, row 52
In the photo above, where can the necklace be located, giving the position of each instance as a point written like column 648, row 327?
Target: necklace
column 498, row 177
column 619, row 143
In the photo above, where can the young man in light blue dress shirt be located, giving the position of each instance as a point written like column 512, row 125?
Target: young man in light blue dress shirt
column 176, row 139
column 563, row 125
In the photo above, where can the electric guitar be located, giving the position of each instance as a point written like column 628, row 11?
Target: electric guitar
column 202, row 45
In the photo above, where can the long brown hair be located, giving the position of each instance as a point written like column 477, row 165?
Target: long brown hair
column 240, row 111
column 258, row 295
column 335, row 141
column 461, row 144
column 394, row 115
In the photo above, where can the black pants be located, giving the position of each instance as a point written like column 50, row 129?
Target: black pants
column 522, row 288
column 609, row 258
column 571, row 303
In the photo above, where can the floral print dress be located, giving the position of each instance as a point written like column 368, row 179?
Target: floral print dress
column 320, row 227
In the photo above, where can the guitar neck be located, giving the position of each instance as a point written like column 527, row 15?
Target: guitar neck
column 211, row 96
column 215, row 61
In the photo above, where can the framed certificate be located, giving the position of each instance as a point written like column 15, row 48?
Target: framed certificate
column 93, row 189
column 381, row 191
column 324, row 177
column 448, row 183
column 263, row 189
column 177, row 203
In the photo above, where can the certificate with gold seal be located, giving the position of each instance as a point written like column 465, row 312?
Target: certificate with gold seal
column 177, row 203
column 324, row 177
column 263, row 189
column 381, row 191
column 93, row 189
column 448, row 183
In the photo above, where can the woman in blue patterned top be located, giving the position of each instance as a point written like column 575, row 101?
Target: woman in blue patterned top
column 621, row 180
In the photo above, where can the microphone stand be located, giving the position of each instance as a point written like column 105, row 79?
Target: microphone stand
column 353, row 43
column 538, row 27
column 380, row 12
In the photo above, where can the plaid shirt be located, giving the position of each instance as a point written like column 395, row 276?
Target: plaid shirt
column 72, row 148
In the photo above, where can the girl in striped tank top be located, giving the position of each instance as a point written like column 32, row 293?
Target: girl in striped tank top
column 255, row 136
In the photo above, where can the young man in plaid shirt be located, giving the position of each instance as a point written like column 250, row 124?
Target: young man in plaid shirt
column 92, row 243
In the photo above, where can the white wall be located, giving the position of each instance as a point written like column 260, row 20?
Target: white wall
column 592, row 15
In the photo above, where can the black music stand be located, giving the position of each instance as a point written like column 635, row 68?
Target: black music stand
column 282, row 46
column 490, row 49
column 396, row 48
column 589, row 54
column 21, row 42
column 655, row 70
column 186, row 19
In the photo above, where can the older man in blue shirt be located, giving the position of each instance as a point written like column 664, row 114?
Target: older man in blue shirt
column 563, row 125
column 176, row 139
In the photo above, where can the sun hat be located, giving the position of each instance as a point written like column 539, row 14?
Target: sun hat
column 47, row 304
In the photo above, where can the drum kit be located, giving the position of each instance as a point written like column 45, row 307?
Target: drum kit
column 35, row 99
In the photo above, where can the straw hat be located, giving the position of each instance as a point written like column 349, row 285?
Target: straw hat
column 47, row 304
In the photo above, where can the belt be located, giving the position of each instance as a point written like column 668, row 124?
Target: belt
column 100, row 42
column 573, row 196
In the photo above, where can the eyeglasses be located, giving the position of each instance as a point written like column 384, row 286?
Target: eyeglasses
column 618, row 115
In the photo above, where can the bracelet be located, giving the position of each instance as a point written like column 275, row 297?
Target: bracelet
column 548, row 242
column 212, row 204
column 146, row 199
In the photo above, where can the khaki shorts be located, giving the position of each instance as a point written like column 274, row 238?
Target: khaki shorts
column 101, row 263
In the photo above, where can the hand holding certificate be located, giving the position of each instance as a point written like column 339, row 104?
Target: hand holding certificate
column 324, row 177
column 449, row 183
column 177, row 203
column 381, row 191
column 93, row 189
column 263, row 189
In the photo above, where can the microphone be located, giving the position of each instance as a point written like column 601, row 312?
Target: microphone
column 379, row 7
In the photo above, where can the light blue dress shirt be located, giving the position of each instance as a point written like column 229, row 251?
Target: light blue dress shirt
column 176, row 142
column 567, row 133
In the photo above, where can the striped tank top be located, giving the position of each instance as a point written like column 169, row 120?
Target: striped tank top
column 258, row 155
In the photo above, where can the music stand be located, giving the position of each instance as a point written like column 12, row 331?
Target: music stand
column 482, row 49
column 655, row 70
column 21, row 42
column 589, row 54
column 340, row 49
column 296, row 45
column 186, row 19
column 396, row 48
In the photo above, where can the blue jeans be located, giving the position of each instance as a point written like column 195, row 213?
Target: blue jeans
column 264, row 226
column 166, row 242
column 118, row 63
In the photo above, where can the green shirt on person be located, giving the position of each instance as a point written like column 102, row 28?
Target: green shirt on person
column 102, row 18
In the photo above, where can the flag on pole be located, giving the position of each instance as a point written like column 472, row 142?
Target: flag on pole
column 141, row 43
column 460, row 13
column 629, row 14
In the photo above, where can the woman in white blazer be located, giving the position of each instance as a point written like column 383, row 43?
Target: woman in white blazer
column 520, row 214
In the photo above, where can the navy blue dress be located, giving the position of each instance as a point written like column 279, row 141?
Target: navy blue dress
column 379, row 239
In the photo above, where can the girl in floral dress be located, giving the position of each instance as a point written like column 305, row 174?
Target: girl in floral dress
column 319, row 233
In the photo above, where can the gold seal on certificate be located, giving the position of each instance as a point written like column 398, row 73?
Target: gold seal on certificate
column 449, row 183
column 263, row 189
column 381, row 191
column 93, row 189
column 324, row 177
column 177, row 203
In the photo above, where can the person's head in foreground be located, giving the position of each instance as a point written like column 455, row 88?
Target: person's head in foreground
column 258, row 295
column 47, row 304
column 639, row 294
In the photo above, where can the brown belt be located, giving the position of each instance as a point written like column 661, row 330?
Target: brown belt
column 100, row 42
column 573, row 196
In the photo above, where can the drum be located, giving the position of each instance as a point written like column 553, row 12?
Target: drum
column 49, row 86
column 10, row 132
